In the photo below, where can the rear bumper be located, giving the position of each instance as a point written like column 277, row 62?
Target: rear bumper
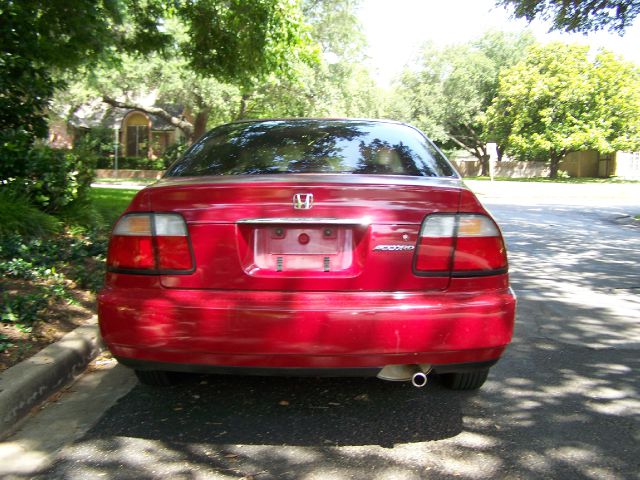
column 197, row 330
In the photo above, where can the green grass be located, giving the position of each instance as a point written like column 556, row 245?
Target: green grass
column 131, row 181
column 111, row 202
column 556, row 180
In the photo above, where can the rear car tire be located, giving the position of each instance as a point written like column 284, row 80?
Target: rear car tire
column 465, row 380
column 155, row 378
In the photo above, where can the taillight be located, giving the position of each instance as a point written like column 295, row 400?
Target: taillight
column 460, row 245
column 150, row 243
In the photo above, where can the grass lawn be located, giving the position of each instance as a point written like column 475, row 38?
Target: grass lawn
column 111, row 202
column 131, row 181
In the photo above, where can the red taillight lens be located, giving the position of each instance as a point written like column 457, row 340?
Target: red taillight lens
column 460, row 245
column 435, row 245
column 479, row 254
column 150, row 243
column 174, row 253
column 127, row 252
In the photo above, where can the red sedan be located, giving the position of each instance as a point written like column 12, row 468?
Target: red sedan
column 309, row 246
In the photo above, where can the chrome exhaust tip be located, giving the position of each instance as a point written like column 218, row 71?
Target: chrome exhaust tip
column 416, row 374
column 418, row 379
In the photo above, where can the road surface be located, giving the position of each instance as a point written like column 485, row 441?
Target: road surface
column 563, row 403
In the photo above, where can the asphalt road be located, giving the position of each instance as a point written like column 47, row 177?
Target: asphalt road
column 563, row 403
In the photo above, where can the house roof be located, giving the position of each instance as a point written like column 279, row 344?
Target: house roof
column 102, row 115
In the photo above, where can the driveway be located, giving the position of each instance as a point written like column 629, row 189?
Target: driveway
column 563, row 403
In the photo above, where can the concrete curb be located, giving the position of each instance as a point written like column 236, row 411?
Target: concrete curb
column 32, row 381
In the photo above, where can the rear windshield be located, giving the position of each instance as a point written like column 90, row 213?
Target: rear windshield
column 312, row 146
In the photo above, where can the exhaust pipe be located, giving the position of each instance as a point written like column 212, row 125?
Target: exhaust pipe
column 416, row 374
column 419, row 379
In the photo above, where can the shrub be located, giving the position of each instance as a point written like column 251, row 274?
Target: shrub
column 50, row 263
column 133, row 163
column 54, row 178
column 97, row 140
column 14, row 147
column 82, row 213
column 17, row 215
column 172, row 153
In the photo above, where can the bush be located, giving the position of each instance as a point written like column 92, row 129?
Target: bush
column 172, row 153
column 54, row 178
column 133, row 163
column 14, row 147
column 82, row 213
column 77, row 256
column 17, row 215
column 97, row 140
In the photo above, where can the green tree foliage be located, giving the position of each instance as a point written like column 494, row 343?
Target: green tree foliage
column 558, row 100
column 334, row 83
column 167, row 77
column 240, row 41
column 38, row 38
column 578, row 16
column 447, row 95
column 338, row 85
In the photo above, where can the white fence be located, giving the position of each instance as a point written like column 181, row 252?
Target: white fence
column 627, row 165
column 472, row 168
column 576, row 164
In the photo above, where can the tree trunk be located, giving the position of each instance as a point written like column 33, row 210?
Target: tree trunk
column 243, row 106
column 484, row 164
column 554, row 165
column 199, row 124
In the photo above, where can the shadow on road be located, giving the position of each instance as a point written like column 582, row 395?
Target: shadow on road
column 285, row 411
column 563, row 403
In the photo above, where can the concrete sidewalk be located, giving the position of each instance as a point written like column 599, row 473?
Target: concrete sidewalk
column 543, row 193
column 32, row 381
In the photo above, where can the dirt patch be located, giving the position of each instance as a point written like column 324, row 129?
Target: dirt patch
column 59, row 317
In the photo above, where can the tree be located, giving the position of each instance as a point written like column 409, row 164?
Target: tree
column 214, row 63
column 145, row 83
column 450, row 91
column 232, row 40
column 578, row 16
column 38, row 38
column 331, row 84
column 337, row 85
column 557, row 100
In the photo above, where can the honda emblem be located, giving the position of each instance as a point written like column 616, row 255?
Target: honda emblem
column 303, row 201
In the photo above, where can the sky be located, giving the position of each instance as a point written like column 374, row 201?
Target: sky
column 395, row 30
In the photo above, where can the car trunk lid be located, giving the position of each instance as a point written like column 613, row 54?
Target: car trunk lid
column 305, row 232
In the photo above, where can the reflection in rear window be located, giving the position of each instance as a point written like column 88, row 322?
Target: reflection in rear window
column 312, row 146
